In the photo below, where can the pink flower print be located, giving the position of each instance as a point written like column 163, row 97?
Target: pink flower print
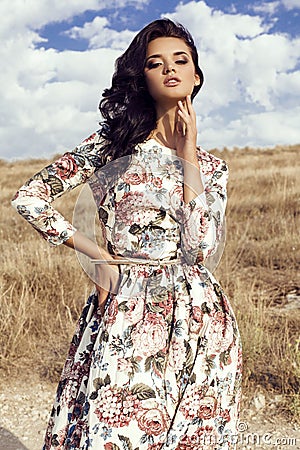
column 207, row 408
column 116, row 407
column 124, row 365
column 36, row 188
column 152, row 421
column 135, row 307
column 121, row 241
column 197, row 314
column 220, row 335
column 150, row 335
column 112, row 311
column 109, row 446
column 177, row 353
column 195, row 225
column 209, row 163
column 157, row 182
column 66, row 166
column 203, row 439
column 226, row 415
column 196, row 321
column 167, row 305
column 190, row 403
column 135, row 175
column 131, row 202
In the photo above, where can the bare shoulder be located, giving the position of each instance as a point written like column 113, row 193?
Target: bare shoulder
column 210, row 163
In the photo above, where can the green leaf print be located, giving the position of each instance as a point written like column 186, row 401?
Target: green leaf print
column 158, row 362
column 148, row 363
column 135, row 229
column 123, row 306
column 218, row 174
column 126, row 444
column 55, row 185
column 80, row 160
column 113, row 446
column 205, row 308
column 210, row 364
column 159, row 217
column 225, row 357
column 210, row 199
column 154, row 308
column 103, row 215
column 94, row 395
column 43, row 174
column 142, row 391
column 104, row 336
column 135, row 365
column 160, row 294
column 189, row 356
column 107, row 380
column 178, row 328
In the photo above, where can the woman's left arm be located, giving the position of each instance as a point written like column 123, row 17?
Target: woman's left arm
column 186, row 149
column 202, row 212
column 203, row 218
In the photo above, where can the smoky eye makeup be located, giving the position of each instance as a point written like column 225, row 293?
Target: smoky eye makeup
column 181, row 61
column 152, row 64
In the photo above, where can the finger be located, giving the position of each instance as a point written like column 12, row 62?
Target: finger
column 189, row 106
column 102, row 299
column 184, row 119
column 180, row 127
column 182, row 106
column 115, row 284
column 183, row 112
column 102, row 294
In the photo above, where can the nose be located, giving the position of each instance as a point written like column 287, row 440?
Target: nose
column 169, row 69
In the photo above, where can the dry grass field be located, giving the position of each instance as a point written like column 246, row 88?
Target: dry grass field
column 43, row 289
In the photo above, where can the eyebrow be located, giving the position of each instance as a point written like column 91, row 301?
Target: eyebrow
column 174, row 54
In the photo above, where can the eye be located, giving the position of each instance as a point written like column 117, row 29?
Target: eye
column 153, row 65
column 181, row 61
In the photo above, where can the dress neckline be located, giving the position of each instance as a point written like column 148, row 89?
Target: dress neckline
column 159, row 144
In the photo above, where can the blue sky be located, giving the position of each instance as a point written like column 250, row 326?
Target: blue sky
column 285, row 20
column 58, row 56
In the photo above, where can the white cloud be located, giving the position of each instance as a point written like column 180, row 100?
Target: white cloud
column 246, row 70
column 99, row 35
column 265, row 129
column 23, row 14
column 291, row 4
column 49, row 99
column 265, row 7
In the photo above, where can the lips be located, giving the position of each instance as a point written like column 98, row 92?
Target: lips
column 172, row 81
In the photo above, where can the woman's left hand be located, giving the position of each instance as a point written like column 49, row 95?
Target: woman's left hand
column 186, row 130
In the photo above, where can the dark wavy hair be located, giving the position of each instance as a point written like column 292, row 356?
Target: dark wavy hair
column 127, row 108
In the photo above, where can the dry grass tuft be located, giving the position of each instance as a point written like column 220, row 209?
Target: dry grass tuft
column 43, row 289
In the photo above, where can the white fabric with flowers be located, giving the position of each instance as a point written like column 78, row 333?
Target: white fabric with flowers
column 161, row 368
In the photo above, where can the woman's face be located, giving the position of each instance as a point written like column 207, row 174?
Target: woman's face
column 169, row 70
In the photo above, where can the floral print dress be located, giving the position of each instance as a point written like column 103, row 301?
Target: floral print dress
column 161, row 368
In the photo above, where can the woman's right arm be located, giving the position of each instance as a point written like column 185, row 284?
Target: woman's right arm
column 107, row 276
column 34, row 202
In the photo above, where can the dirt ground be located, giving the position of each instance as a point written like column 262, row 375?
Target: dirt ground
column 25, row 407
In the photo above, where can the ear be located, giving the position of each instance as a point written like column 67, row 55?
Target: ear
column 197, row 79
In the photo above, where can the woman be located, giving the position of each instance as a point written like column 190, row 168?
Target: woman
column 155, row 362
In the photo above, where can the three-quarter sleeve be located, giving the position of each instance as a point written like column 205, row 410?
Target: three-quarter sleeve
column 33, row 200
column 203, row 218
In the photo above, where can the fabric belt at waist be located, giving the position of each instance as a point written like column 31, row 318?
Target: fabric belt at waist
column 148, row 262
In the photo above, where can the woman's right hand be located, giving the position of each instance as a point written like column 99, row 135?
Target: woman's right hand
column 107, row 276
column 107, row 281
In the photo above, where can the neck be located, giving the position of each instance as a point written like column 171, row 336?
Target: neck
column 166, row 123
